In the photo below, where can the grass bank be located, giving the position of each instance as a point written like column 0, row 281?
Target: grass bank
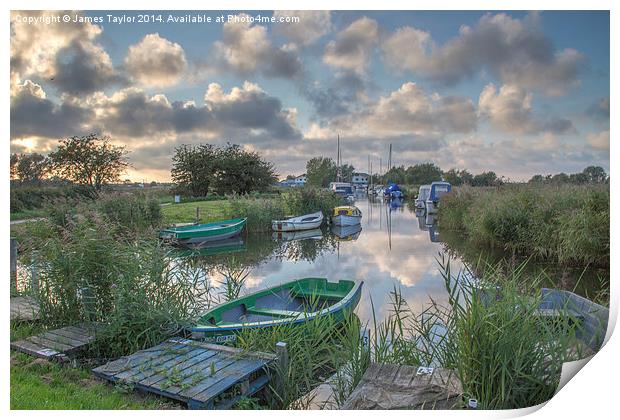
column 567, row 223
column 37, row 384
column 259, row 210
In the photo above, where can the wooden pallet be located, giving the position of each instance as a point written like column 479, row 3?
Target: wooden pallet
column 201, row 375
column 24, row 308
column 58, row 344
column 388, row 387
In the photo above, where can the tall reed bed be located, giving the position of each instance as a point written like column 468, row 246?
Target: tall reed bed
column 488, row 332
column 129, row 285
column 568, row 223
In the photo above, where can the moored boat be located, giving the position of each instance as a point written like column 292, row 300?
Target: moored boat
column 437, row 190
column 305, row 222
column 200, row 233
column 294, row 302
column 420, row 202
column 346, row 216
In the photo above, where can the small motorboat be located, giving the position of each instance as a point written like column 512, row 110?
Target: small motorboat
column 423, row 193
column 306, row 222
column 201, row 233
column 437, row 190
column 294, row 302
column 346, row 216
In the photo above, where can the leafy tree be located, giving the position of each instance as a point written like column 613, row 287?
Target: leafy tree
column 320, row 171
column 486, row 179
column 89, row 160
column 595, row 174
column 423, row 173
column 346, row 172
column 560, row 178
column 32, row 167
column 453, row 177
column 579, row 178
column 536, row 179
column 193, row 168
column 240, row 171
column 396, row 174
column 14, row 160
column 466, row 177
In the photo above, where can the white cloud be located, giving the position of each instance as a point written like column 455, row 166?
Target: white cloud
column 599, row 140
column 353, row 46
column 313, row 24
column 156, row 61
column 514, row 50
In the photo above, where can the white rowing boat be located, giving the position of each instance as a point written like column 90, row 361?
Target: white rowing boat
column 305, row 222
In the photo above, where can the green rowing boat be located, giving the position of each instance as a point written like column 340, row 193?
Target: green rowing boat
column 196, row 234
column 294, row 302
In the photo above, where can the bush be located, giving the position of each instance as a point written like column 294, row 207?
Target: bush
column 29, row 198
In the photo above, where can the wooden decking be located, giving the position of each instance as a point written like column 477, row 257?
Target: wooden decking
column 201, row 375
column 24, row 308
column 405, row 387
column 57, row 344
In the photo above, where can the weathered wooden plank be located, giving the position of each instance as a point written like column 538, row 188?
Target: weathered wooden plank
column 405, row 387
column 70, row 333
column 254, row 386
column 34, row 349
column 128, row 362
column 202, row 374
column 46, row 343
column 134, row 364
column 237, row 372
column 24, row 308
column 54, row 336
column 167, row 370
column 185, row 368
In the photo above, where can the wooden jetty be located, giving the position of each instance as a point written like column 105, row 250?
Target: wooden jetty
column 405, row 387
column 201, row 375
column 24, row 308
column 58, row 344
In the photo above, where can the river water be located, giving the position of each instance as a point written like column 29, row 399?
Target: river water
column 393, row 248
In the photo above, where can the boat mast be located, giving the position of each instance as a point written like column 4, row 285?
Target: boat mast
column 338, row 161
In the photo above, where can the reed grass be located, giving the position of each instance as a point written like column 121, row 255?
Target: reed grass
column 568, row 223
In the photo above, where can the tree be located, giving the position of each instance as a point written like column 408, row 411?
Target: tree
column 453, row 177
column 595, row 174
column 320, row 171
column 486, row 179
column 193, row 168
column 536, row 179
column 560, row 178
column 346, row 172
column 14, row 160
column 466, row 177
column 423, row 173
column 396, row 174
column 240, row 171
column 200, row 169
column 32, row 167
column 89, row 160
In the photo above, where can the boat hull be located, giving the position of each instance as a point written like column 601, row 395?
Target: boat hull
column 198, row 234
column 344, row 220
column 283, row 296
column 307, row 222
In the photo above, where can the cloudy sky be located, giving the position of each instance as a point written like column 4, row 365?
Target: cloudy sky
column 517, row 93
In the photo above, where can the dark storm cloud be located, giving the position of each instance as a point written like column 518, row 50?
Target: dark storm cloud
column 81, row 70
column 34, row 115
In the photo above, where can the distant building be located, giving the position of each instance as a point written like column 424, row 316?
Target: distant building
column 300, row 180
column 287, row 183
column 360, row 179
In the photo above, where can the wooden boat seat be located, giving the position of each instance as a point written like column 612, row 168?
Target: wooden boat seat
column 314, row 294
column 282, row 313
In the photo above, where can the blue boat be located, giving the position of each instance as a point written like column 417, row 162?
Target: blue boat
column 438, row 189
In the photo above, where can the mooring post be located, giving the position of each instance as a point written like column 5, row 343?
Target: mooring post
column 13, row 265
column 282, row 366
column 34, row 273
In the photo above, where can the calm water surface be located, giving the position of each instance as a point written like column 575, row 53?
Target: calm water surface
column 394, row 248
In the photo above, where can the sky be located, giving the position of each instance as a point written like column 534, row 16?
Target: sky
column 518, row 93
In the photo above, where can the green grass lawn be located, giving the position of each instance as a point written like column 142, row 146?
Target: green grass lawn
column 37, row 384
column 27, row 214
column 210, row 211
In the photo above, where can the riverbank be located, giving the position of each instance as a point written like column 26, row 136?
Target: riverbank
column 567, row 223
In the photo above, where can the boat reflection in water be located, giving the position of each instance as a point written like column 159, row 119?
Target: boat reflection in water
column 346, row 233
column 225, row 246
column 433, row 231
column 315, row 234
